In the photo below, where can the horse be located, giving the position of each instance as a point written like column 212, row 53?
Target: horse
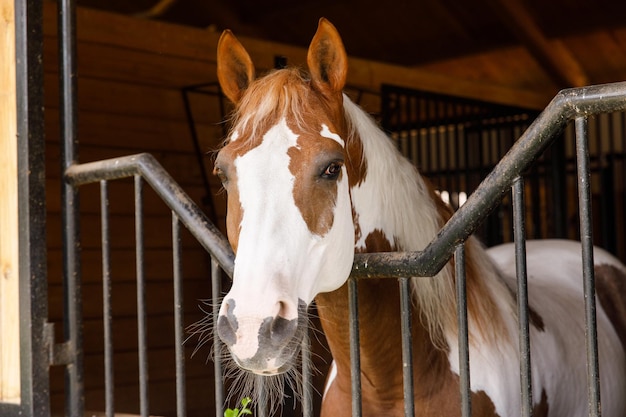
column 310, row 181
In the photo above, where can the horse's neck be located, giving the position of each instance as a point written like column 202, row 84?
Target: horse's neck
column 380, row 342
column 394, row 209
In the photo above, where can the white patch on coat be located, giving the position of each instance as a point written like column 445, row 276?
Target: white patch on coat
column 381, row 201
column 325, row 132
column 279, row 260
column 558, row 356
column 332, row 374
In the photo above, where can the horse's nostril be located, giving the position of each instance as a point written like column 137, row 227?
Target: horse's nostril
column 282, row 330
column 226, row 330
column 227, row 324
column 287, row 310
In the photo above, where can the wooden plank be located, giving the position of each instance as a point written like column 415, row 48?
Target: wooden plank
column 161, row 367
column 140, row 34
column 157, row 262
column 9, row 257
column 121, row 194
column 159, row 298
column 553, row 55
column 114, row 97
column 200, row 399
column 183, row 167
column 159, row 335
column 606, row 61
column 508, row 66
column 157, row 235
column 132, row 134
column 114, row 62
column 169, row 39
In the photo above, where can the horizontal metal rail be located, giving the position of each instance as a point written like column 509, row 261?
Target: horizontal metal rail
column 566, row 106
column 171, row 193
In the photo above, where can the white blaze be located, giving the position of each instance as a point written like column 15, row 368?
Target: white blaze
column 278, row 258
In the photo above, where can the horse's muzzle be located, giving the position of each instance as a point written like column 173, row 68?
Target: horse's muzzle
column 266, row 346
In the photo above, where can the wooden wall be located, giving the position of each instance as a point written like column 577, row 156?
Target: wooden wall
column 129, row 78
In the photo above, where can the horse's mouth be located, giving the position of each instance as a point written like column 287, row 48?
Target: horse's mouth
column 265, row 347
column 277, row 371
column 265, row 364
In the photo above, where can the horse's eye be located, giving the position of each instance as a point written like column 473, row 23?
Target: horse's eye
column 220, row 174
column 332, row 171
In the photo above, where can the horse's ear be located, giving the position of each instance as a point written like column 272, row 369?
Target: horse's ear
column 327, row 59
column 235, row 70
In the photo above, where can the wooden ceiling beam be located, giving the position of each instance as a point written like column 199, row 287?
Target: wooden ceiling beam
column 552, row 55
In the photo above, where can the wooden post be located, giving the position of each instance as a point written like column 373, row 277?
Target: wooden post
column 9, row 288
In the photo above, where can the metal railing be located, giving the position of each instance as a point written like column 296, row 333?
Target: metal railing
column 575, row 104
column 144, row 168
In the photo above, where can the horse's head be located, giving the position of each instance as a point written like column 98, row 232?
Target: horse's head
column 285, row 168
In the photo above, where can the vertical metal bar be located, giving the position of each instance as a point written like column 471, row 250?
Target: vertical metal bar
column 355, row 354
column 207, row 199
column 261, row 407
column 461, row 302
column 586, row 238
column 519, row 232
column 307, row 381
column 407, row 346
column 141, row 300
column 622, row 176
column 106, row 302
column 216, row 290
column 71, row 245
column 181, row 404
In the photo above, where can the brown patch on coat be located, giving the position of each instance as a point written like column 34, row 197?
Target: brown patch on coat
column 542, row 408
column 225, row 170
column 314, row 196
column 611, row 292
column 536, row 319
column 356, row 164
column 437, row 391
column 357, row 225
column 377, row 242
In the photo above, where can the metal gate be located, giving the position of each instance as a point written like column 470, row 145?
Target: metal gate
column 39, row 350
column 455, row 142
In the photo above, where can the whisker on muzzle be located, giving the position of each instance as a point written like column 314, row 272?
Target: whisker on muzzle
column 270, row 391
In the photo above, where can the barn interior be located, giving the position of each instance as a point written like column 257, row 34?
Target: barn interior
column 147, row 83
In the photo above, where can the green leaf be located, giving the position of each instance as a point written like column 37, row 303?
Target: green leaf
column 231, row 412
column 236, row 412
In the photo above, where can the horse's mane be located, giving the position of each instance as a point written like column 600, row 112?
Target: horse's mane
column 408, row 206
column 278, row 94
